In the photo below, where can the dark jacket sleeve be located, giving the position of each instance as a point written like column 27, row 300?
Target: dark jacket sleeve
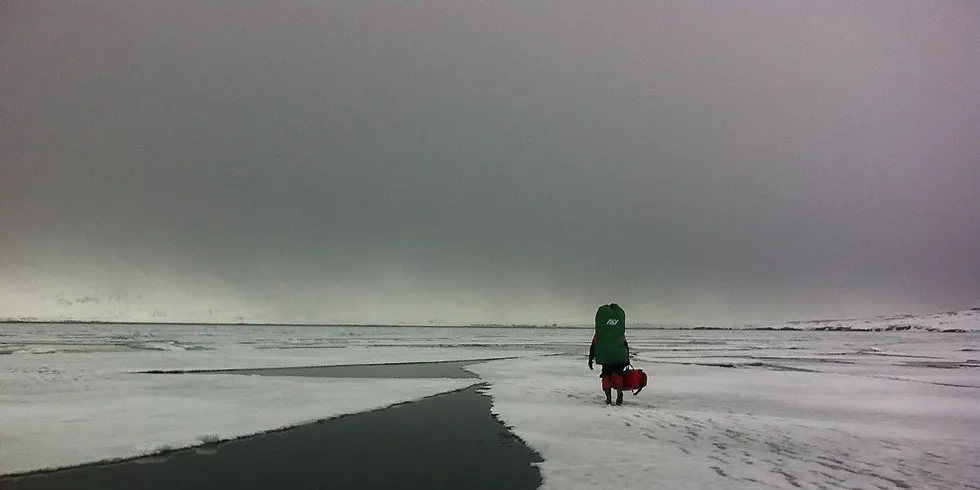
column 592, row 349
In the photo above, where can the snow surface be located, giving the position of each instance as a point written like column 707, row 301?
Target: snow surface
column 39, row 338
column 75, row 422
column 67, row 409
column 697, row 427
column 953, row 321
column 724, row 409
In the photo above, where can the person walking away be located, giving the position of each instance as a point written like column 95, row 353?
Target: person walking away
column 610, row 349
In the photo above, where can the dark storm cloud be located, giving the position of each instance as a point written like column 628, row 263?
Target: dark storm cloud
column 459, row 160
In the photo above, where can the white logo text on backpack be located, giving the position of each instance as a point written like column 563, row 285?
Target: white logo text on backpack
column 612, row 321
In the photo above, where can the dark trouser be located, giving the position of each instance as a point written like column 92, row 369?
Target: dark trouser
column 613, row 369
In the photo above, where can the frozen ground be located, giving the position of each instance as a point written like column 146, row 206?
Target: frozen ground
column 701, row 427
column 65, row 409
column 725, row 408
column 953, row 321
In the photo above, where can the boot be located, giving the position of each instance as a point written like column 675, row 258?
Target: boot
column 608, row 392
column 619, row 397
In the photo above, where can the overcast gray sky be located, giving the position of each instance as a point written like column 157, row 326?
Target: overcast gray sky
column 723, row 162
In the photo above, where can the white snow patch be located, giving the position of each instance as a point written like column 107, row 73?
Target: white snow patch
column 954, row 321
column 698, row 427
column 67, row 409
column 70, row 423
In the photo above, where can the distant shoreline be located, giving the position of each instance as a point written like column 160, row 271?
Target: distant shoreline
column 793, row 325
column 796, row 327
column 251, row 324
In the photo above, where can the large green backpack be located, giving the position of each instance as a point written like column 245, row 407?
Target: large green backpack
column 610, row 335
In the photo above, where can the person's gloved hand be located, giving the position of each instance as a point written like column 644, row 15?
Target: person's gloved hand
column 590, row 364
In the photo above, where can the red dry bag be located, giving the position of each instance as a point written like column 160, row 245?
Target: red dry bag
column 634, row 380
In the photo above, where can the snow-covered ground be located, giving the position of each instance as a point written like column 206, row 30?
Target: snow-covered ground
column 700, row 427
column 968, row 320
column 724, row 409
column 40, row 338
column 65, row 409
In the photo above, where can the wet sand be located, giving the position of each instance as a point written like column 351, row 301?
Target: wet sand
column 449, row 441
